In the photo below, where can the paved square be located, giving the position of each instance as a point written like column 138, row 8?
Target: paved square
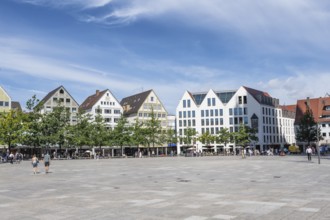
column 202, row 188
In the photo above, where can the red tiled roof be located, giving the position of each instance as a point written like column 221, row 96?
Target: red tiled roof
column 291, row 108
column 317, row 105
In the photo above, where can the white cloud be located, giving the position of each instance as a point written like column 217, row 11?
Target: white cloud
column 83, row 4
column 298, row 86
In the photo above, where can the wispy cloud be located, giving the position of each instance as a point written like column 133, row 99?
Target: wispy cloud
column 301, row 84
column 20, row 59
column 82, row 4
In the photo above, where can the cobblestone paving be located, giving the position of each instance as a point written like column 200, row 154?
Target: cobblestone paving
column 202, row 188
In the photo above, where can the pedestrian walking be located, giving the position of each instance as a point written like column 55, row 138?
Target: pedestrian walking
column 46, row 162
column 309, row 153
column 35, row 162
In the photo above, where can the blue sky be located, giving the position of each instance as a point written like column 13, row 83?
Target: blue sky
column 278, row 46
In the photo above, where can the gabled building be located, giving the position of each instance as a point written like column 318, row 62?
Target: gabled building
column 105, row 104
column 5, row 101
column 59, row 96
column 139, row 106
column 214, row 110
column 321, row 112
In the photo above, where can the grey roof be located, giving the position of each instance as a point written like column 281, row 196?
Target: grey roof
column 51, row 93
column 91, row 100
column 134, row 102
column 16, row 106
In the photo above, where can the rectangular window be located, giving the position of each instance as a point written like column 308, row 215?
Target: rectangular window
column 203, row 130
column 140, row 114
column 240, row 101
column 1, row 103
column 230, row 111
column 231, row 121
column 116, row 111
column 208, row 102
column 212, row 130
column 235, row 111
column 207, row 122
column 189, row 114
column 263, row 110
column 202, row 122
column 184, row 103
column 213, row 101
column 193, row 114
column 324, row 134
column 240, row 111
column 68, row 100
column 180, row 123
column 245, row 99
column 211, row 112
column 184, row 123
column 55, row 99
column 216, row 121
column 231, row 129
column 180, row 114
column 216, row 112
column 108, row 120
column 236, row 121
column 246, row 120
column 323, row 125
column 189, row 123
column 245, row 111
column 207, row 113
column 193, row 122
column 212, row 121
column 188, row 103
column 216, row 130
column 107, row 111
column 184, row 114
column 221, row 112
column 151, row 98
column 221, row 121
column 74, row 109
column 202, row 113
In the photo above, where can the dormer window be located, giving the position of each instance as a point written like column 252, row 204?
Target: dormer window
column 61, row 91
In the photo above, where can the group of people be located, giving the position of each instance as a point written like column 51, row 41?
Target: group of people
column 11, row 157
column 35, row 162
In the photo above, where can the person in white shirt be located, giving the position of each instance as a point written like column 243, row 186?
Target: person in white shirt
column 309, row 153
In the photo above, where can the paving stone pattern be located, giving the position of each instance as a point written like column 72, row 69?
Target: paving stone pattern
column 202, row 188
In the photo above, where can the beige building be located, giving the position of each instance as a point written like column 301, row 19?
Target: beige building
column 5, row 101
column 139, row 106
column 62, row 96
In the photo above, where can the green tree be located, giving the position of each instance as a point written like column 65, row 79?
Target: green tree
column 99, row 132
column 224, row 136
column 11, row 128
column 244, row 136
column 153, row 130
column 121, row 134
column 308, row 130
column 206, row 138
column 138, row 136
column 189, row 136
column 82, row 130
column 32, row 121
column 54, row 126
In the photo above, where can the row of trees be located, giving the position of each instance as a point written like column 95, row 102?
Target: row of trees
column 54, row 129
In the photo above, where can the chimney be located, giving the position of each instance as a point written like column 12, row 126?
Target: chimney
column 97, row 92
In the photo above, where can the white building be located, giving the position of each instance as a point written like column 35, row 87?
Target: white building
column 211, row 111
column 105, row 104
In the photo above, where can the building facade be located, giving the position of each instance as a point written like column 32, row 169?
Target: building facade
column 321, row 112
column 140, row 106
column 214, row 110
column 60, row 96
column 5, row 101
column 105, row 104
